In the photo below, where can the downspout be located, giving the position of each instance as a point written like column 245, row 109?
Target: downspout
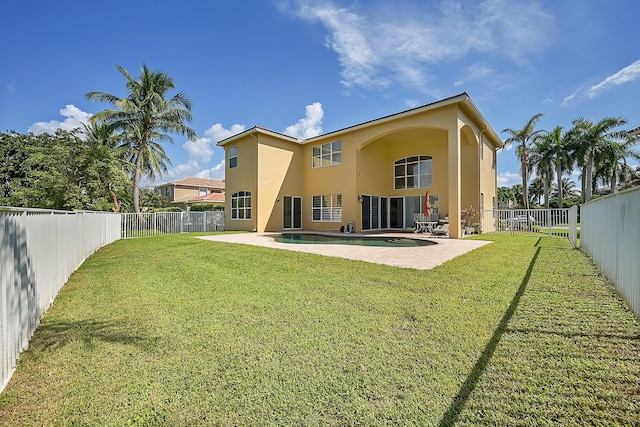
column 254, row 201
column 481, row 147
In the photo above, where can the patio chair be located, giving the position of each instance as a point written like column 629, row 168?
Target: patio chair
column 441, row 230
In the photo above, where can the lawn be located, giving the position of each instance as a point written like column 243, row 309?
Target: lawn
column 174, row 330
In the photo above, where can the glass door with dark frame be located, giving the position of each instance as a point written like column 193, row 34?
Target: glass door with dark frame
column 292, row 212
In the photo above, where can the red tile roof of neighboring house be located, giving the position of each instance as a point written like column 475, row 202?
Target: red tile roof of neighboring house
column 211, row 197
column 196, row 182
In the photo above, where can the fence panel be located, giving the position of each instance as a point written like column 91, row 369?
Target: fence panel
column 610, row 227
column 39, row 250
column 547, row 222
column 155, row 223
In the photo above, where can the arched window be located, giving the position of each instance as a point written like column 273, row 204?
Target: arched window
column 241, row 205
column 412, row 172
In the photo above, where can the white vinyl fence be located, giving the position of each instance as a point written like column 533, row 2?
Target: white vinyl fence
column 39, row 249
column 546, row 222
column 152, row 224
column 611, row 236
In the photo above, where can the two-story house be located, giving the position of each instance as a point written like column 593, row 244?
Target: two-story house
column 187, row 192
column 374, row 174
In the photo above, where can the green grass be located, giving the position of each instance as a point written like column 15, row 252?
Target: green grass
column 174, row 330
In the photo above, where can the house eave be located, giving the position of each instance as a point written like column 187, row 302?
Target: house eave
column 255, row 131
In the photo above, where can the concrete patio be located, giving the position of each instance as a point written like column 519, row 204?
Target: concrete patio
column 419, row 258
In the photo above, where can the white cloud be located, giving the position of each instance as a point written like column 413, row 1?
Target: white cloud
column 189, row 168
column 217, row 132
column 201, row 152
column 202, row 148
column 509, row 179
column 474, row 73
column 570, row 97
column 626, row 75
column 74, row 118
column 396, row 44
column 216, row 172
column 310, row 125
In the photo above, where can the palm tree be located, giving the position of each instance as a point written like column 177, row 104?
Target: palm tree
column 146, row 117
column 567, row 187
column 613, row 165
column 541, row 163
column 109, row 155
column 522, row 137
column 589, row 140
column 551, row 151
column 539, row 187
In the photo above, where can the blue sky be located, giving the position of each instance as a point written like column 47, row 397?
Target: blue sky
column 307, row 67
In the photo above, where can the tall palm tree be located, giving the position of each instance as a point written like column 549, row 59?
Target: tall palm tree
column 589, row 140
column 145, row 118
column 541, row 162
column 523, row 137
column 551, row 150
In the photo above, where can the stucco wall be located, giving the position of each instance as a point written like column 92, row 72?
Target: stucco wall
column 279, row 175
column 273, row 167
column 241, row 178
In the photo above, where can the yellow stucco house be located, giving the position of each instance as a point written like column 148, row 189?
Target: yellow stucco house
column 374, row 174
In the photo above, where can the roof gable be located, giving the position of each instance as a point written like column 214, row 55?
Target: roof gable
column 462, row 99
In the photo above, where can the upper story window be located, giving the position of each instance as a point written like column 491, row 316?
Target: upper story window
column 327, row 154
column 241, row 205
column 202, row 191
column 412, row 172
column 233, row 157
column 167, row 191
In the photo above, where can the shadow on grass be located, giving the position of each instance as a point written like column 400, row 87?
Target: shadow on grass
column 54, row 335
column 460, row 400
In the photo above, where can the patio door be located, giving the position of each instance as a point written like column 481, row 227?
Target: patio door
column 374, row 212
column 292, row 212
column 396, row 212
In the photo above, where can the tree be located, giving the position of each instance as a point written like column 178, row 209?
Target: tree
column 146, row 117
column 539, row 187
column 612, row 163
column 566, row 189
column 56, row 171
column 522, row 137
column 550, row 155
column 505, row 197
column 109, row 157
column 589, row 140
column 518, row 195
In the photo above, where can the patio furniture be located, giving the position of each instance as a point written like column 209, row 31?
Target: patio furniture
column 424, row 226
column 441, row 230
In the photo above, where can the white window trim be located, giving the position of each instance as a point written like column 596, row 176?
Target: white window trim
column 233, row 155
column 331, row 151
column 243, row 196
column 330, row 209
column 421, row 158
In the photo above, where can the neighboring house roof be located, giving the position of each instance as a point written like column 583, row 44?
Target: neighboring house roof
column 462, row 98
column 195, row 182
column 634, row 132
column 209, row 198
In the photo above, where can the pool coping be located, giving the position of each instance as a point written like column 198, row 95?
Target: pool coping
column 419, row 257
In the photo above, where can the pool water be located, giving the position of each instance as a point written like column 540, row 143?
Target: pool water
column 389, row 242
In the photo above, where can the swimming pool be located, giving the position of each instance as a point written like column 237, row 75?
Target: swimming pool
column 346, row 239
